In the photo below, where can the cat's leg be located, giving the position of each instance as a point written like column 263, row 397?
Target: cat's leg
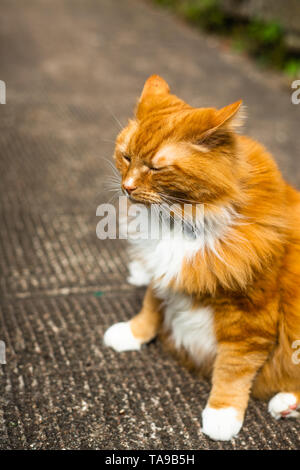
column 138, row 276
column 285, row 405
column 140, row 329
column 234, row 370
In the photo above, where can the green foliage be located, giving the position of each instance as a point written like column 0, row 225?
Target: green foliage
column 264, row 33
column 166, row 3
column 263, row 40
column 292, row 67
column 238, row 44
column 205, row 13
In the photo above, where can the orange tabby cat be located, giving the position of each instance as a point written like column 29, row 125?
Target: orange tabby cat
column 228, row 301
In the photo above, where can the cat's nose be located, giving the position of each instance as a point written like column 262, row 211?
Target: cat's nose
column 129, row 185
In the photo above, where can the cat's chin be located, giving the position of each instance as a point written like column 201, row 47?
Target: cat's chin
column 134, row 200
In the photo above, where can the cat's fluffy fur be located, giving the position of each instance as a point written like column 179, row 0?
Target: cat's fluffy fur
column 232, row 306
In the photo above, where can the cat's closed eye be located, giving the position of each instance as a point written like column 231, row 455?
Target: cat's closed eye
column 153, row 168
column 127, row 158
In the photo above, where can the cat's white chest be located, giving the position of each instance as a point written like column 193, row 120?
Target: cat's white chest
column 190, row 328
column 163, row 259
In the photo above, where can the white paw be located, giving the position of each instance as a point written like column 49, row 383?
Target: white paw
column 138, row 276
column 220, row 424
column 283, row 405
column 120, row 337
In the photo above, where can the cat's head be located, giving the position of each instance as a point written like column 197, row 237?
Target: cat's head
column 173, row 152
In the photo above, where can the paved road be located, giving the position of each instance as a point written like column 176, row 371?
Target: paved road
column 69, row 66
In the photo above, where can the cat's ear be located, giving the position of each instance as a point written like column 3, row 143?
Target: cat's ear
column 219, row 122
column 231, row 115
column 155, row 89
column 154, row 85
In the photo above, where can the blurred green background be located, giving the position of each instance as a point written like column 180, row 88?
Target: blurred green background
column 267, row 30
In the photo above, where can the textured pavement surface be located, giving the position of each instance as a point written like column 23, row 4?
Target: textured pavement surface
column 69, row 66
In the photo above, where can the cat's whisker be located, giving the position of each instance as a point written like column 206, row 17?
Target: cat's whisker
column 174, row 198
column 173, row 207
column 112, row 182
column 112, row 166
column 170, row 216
column 114, row 117
column 114, row 196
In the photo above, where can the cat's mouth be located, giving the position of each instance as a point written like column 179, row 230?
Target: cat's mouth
column 143, row 198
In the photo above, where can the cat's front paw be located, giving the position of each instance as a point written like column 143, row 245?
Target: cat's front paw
column 119, row 337
column 220, row 424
